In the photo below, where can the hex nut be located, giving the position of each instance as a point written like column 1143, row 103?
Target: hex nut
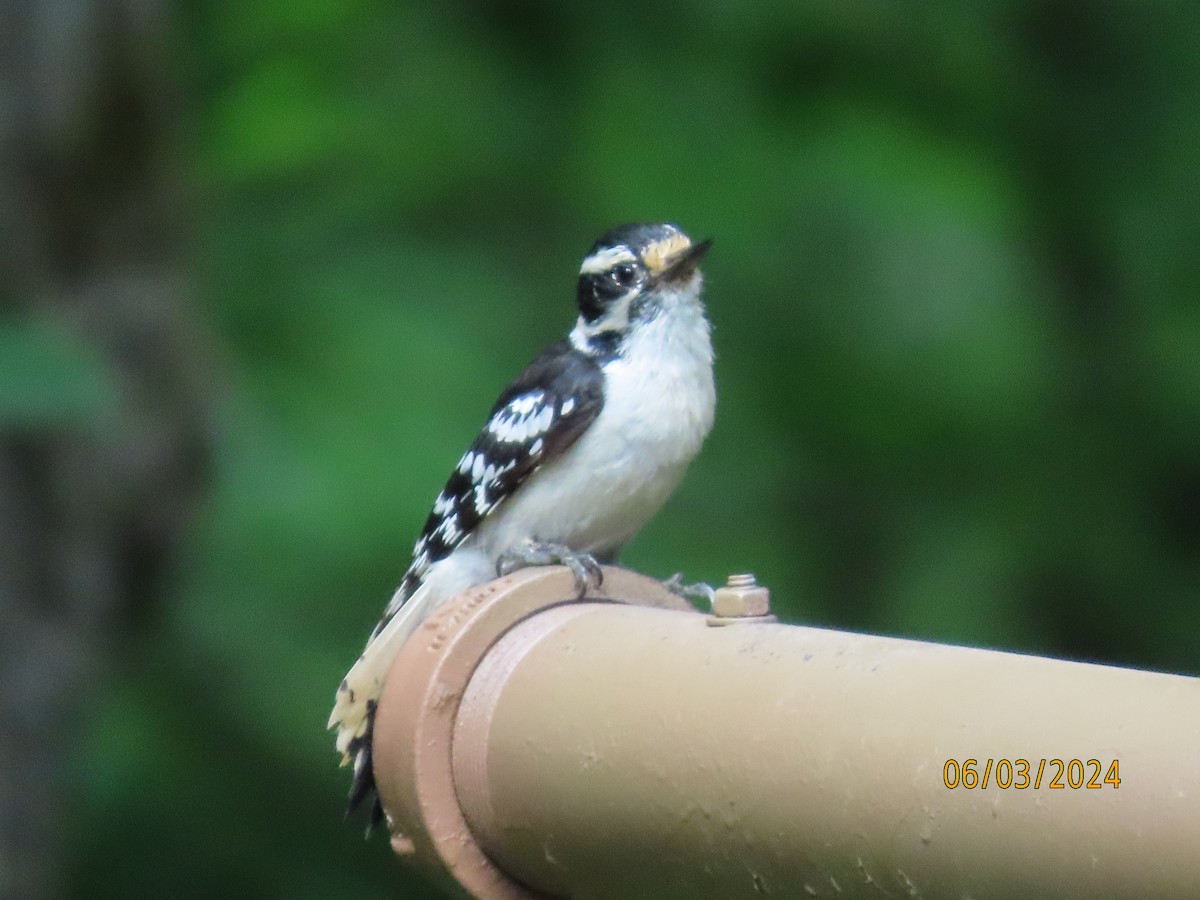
column 741, row 598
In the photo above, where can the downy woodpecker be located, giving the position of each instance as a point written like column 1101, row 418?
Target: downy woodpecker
column 578, row 453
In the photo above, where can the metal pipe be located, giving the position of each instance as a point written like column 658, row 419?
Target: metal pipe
column 611, row 750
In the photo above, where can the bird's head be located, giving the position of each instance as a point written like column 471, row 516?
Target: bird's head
column 631, row 274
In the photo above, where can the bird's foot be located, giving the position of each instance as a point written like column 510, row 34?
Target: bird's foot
column 697, row 591
column 529, row 553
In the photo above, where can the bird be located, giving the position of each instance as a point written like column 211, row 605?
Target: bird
column 579, row 451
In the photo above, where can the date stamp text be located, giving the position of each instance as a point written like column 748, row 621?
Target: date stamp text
column 1022, row 774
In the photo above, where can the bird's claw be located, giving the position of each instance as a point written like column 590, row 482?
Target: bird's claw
column 582, row 565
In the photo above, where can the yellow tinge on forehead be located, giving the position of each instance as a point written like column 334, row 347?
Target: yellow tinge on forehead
column 659, row 254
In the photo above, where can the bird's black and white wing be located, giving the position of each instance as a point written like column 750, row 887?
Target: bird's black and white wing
column 537, row 418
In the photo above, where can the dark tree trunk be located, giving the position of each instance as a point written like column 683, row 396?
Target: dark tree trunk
column 104, row 399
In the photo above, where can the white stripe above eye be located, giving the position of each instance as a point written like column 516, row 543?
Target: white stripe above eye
column 603, row 260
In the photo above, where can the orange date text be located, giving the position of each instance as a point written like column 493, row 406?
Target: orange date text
column 1022, row 774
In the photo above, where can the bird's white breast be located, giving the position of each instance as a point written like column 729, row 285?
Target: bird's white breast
column 658, row 407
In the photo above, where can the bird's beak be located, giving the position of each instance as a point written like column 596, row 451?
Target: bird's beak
column 683, row 263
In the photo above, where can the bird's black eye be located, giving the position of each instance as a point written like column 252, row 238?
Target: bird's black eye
column 625, row 274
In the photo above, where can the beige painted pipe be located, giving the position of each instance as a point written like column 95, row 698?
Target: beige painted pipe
column 609, row 750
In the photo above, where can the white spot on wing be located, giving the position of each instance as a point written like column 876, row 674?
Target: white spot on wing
column 526, row 404
column 567, row 406
column 541, row 422
column 521, row 419
column 501, row 428
column 449, row 529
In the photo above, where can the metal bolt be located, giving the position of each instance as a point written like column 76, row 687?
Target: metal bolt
column 741, row 597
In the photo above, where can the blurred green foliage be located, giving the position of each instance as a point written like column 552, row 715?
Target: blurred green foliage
column 51, row 377
column 954, row 295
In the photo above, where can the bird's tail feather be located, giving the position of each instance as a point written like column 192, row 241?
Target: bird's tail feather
column 354, row 706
